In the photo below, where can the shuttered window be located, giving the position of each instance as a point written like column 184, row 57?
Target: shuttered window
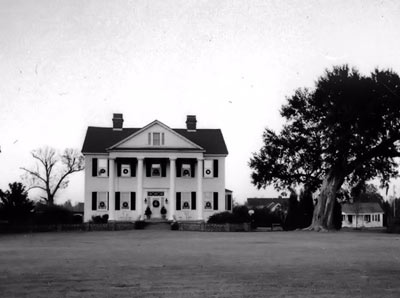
column 133, row 201
column 117, row 200
column 193, row 200
column 178, row 201
column 94, row 167
column 215, row 167
column 215, row 205
column 94, row 200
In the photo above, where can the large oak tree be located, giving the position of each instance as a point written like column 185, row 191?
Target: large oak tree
column 345, row 129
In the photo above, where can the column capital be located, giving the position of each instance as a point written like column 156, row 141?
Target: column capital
column 112, row 158
column 200, row 158
column 172, row 158
column 140, row 158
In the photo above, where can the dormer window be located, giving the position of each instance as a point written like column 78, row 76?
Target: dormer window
column 156, row 138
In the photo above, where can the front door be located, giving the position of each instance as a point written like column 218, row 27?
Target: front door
column 156, row 200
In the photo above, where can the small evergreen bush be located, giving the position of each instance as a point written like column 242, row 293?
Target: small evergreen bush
column 175, row 226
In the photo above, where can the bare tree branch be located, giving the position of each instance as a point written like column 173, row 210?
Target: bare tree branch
column 52, row 170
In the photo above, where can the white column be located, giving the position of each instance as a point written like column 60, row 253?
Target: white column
column 199, row 195
column 111, row 190
column 171, row 199
column 139, row 192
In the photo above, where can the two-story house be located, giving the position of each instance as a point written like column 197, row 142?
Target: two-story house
column 155, row 166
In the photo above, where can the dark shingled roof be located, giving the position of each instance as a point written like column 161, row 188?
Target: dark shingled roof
column 361, row 208
column 98, row 139
column 262, row 202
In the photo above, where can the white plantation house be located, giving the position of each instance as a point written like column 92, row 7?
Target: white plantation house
column 130, row 169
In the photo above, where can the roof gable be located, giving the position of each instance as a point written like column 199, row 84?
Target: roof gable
column 140, row 138
column 98, row 140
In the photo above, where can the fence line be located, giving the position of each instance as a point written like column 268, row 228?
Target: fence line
column 207, row 227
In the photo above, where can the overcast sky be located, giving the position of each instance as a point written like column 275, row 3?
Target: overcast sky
column 66, row 65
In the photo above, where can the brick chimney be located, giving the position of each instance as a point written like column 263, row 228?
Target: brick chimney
column 117, row 121
column 191, row 122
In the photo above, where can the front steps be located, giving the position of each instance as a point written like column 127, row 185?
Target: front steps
column 157, row 224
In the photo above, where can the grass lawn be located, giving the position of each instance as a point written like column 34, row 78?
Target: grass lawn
column 153, row 263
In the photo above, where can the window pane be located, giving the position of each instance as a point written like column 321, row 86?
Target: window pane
column 156, row 170
column 102, row 167
column 156, row 138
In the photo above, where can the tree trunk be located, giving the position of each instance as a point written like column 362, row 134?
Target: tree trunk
column 323, row 210
column 50, row 199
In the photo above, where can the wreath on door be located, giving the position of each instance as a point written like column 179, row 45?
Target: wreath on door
column 156, row 204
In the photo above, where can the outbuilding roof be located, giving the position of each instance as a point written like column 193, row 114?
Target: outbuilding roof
column 358, row 208
column 265, row 202
column 98, row 139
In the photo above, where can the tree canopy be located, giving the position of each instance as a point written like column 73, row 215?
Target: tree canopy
column 52, row 170
column 15, row 207
column 347, row 128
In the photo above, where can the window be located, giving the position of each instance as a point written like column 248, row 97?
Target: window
column 350, row 218
column 100, row 201
column 186, row 200
column 228, row 203
column 376, row 217
column 155, row 170
column 208, row 200
column 156, row 138
column 208, row 169
column 185, row 168
column 156, row 167
column 100, row 167
column 126, row 167
column 186, row 171
column 211, row 168
column 367, row 218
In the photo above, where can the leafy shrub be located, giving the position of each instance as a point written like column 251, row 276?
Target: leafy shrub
column 52, row 214
column 140, row 225
column 175, row 226
column 265, row 218
column 240, row 214
column 221, row 218
column 100, row 219
column 77, row 219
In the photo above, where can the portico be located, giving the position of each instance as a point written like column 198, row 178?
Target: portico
column 146, row 184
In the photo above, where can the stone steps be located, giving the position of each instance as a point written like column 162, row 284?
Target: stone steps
column 157, row 225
